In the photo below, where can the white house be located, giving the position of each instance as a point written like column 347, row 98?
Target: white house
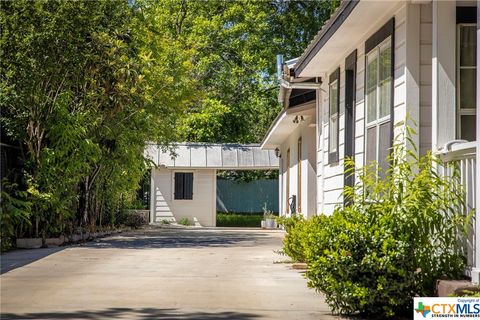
column 370, row 65
column 184, row 185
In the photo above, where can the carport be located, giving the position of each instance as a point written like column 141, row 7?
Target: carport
column 183, row 179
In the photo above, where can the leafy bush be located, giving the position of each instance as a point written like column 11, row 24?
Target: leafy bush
column 361, row 265
column 470, row 292
column 16, row 211
column 400, row 234
column 304, row 237
column 185, row 221
column 239, row 220
column 136, row 204
column 134, row 219
column 293, row 241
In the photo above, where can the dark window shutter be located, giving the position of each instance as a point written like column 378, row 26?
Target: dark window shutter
column 349, row 131
column 179, row 182
column 188, row 186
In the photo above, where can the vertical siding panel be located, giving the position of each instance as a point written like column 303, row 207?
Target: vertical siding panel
column 425, row 120
column 330, row 176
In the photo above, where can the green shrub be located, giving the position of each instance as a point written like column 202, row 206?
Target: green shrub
column 304, row 237
column 15, row 213
column 360, row 264
column 133, row 219
column 239, row 220
column 185, row 221
column 400, row 234
column 471, row 292
column 293, row 241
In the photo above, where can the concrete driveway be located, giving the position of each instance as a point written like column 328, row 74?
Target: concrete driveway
column 161, row 274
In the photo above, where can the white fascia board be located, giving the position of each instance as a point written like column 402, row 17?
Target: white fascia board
column 267, row 141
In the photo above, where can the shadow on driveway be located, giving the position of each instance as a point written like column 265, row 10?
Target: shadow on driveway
column 133, row 313
column 181, row 238
column 19, row 258
column 147, row 239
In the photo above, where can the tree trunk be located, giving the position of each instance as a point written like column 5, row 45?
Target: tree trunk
column 86, row 201
column 36, row 226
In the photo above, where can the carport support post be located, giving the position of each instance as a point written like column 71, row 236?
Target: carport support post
column 214, row 197
column 152, row 195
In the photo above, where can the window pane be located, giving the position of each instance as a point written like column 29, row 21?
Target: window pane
column 467, row 42
column 188, row 186
column 385, row 81
column 371, row 88
column 468, row 127
column 371, row 144
column 468, row 84
column 384, row 147
column 179, row 186
column 332, row 135
column 333, row 97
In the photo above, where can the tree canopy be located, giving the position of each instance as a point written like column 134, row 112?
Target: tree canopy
column 234, row 46
column 85, row 84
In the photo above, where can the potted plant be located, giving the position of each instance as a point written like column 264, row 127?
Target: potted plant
column 270, row 220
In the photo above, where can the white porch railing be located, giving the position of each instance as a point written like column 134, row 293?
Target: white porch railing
column 463, row 155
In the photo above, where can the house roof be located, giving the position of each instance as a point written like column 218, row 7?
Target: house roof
column 353, row 20
column 213, row 156
column 328, row 29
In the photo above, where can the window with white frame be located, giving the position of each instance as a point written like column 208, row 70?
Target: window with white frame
column 466, row 81
column 334, row 103
column 378, row 98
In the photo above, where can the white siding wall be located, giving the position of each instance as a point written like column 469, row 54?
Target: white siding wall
column 201, row 208
column 443, row 72
column 400, row 74
column 330, row 180
column 305, row 130
column 162, row 208
column 332, row 175
column 360, row 109
column 425, row 78
column 310, row 171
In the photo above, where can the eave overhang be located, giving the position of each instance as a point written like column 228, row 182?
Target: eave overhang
column 284, row 125
column 353, row 20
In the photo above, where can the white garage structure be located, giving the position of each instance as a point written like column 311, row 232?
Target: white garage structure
column 183, row 182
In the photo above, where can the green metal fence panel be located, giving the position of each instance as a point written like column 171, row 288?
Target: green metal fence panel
column 233, row 196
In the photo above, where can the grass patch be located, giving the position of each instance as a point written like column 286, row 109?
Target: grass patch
column 239, row 220
column 185, row 222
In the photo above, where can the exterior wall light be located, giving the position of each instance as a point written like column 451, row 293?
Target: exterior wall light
column 277, row 153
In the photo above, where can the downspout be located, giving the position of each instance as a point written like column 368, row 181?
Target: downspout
column 287, row 86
